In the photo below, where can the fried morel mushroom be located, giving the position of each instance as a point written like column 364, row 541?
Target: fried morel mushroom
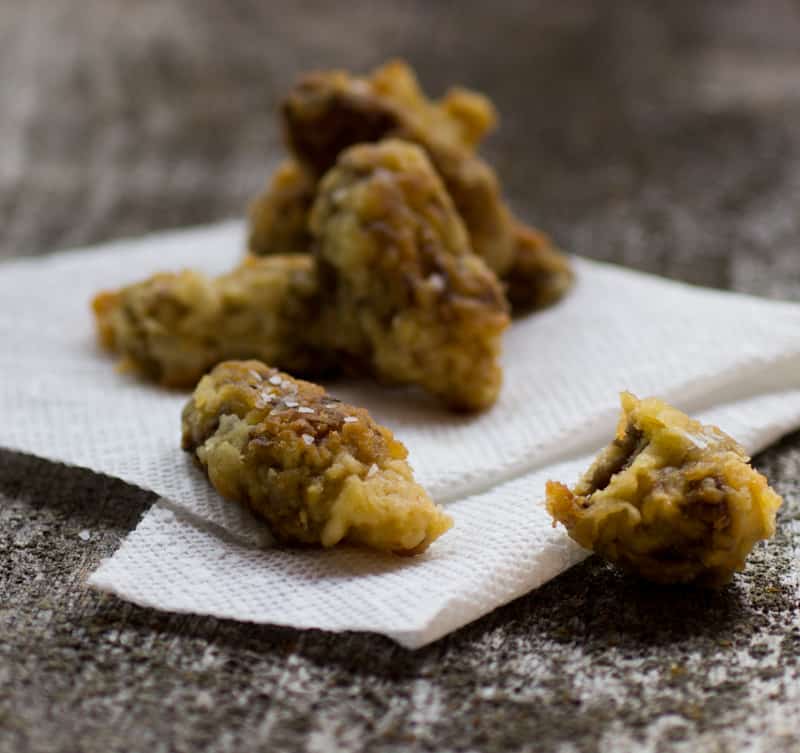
column 669, row 499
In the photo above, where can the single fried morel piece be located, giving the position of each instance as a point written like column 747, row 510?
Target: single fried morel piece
column 317, row 470
column 404, row 296
column 540, row 275
column 173, row 327
column 329, row 111
column 670, row 499
column 279, row 216
column 389, row 101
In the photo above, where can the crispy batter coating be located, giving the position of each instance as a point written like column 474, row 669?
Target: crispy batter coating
column 541, row 274
column 317, row 470
column 173, row 327
column 393, row 290
column 279, row 216
column 404, row 294
column 670, row 499
column 358, row 109
column 329, row 111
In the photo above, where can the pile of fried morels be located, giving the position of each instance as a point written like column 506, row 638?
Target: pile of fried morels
column 381, row 247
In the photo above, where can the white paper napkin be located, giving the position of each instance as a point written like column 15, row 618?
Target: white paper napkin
column 731, row 357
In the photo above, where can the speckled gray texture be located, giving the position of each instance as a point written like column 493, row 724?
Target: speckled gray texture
column 662, row 135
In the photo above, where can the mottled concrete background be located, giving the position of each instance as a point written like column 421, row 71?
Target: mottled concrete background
column 662, row 135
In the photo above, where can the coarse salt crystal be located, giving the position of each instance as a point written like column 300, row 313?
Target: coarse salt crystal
column 264, row 398
column 436, row 281
column 373, row 469
column 85, row 535
column 275, row 379
column 291, row 403
column 254, row 374
column 308, row 439
column 304, row 409
column 350, row 419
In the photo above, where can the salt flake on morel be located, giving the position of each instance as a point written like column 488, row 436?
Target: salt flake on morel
column 316, row 470
column 173, row 327
column 670, row 499
column 404, row 295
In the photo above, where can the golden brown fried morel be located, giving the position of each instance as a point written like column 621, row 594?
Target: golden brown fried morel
column 404, row 295
column 670, row 499
column 317, row 470
column 330, row 111
column 393, row 289
column 389, row 102
column 279, row 216
column 541, row 274
column 173, row 327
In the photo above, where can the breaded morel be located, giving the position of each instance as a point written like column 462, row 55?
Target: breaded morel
column 279, row 215
column 317, row 470
column 329, row 111
column 540, row 275
column 392, row 290
column 404, row 296
column 670, row 499
column 172, row 328
column 388, row 102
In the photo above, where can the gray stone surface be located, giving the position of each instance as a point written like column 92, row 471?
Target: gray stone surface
column 661, row 135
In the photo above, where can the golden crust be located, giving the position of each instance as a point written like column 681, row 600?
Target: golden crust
column 404, row 294
column 670, row 499
column 329, row 111
column 279, row 215
column 317, row 470
column 388, row 102
column 393, row 290
column 541, row 274
column 173, row 327
column 462, row 117
column 105, row 306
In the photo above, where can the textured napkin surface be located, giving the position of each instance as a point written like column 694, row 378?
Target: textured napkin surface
column 733, row 357
column 503, row 545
